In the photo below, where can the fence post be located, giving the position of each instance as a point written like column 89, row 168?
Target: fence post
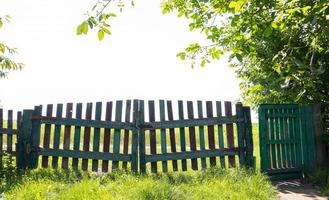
column 23, row 145
column 241, row 129
column 321, row 153
column 250, row 159
column 134, row 147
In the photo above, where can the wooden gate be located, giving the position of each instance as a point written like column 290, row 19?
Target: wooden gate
column 287, row 143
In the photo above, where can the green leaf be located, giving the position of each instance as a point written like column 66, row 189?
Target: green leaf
column 203, row 63
column 181, row 55
column 100, row 34
column 84, row 27
column 79, row 29
column 268, row 31
column 107, row 31
column 1, row 23
column 239, row 57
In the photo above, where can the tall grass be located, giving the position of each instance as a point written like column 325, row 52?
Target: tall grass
column 214, row 183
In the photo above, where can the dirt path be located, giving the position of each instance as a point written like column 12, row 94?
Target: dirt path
column 294, row 189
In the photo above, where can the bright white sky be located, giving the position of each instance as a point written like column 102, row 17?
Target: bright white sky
column 137, row 61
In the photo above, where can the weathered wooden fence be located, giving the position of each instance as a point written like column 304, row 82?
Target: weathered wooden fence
column 8, row 132
column 149, row 135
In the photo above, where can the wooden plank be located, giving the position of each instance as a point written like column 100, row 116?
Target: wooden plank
column 152, row 136
column 182, row 134
column 107, row 136
column 142, row 161
column 57, row 134
column 211, row 133
column 283, row 138
column 297, row 132
column 193, row 154
column 117, row 133
column 134, row 142
column 46, row 139
column 241, row 133
column 98, row 115
column 77, row 135
column 230, row 132
column 67, row 135
column 1, row 135
column 84, row 154
column 249, row 138
column 86, row 136
column 163, row 135
column 278, row 138
column 272, row 148
column 190, row 115
column 35, row 138
column 172, row 135
column 292, row 137
column 201, row 135
column 220, row 132
column 126, row 134
column 310, row 139
column 263, row 137
column 9, row 132
column 287, row 138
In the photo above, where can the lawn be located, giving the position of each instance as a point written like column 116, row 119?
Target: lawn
column 214, row 183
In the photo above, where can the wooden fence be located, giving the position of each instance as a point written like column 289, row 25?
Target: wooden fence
column 8, row 132
column 159, row 141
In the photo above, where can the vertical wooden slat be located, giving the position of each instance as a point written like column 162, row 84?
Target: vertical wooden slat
column 57, row 134
column 297, row 133
column 116, row 138
column 211, row 134
column 86, row 137
column 190, row 114
column 10, row 132
column 220, row 132
column 107, row 136
column 230, row 133
column 46, row 139
column 287, row 137
column 241, row 133
column 18, row 127
column 201, row 135
column 67, row 135
column 272, row 138
column 1, row 135
column 24, row 140
column 98, row 115
column 278, row 138
column 263, row 137
column 142, row 161
column 126, row 134
column 172, row 135
column 249, row 138
column 77, row 135
column 283, row 138
column 152, row 136
column 182, row 133
column 163, row 134
column 134, row 140
column 35, row 137
column 292, row 138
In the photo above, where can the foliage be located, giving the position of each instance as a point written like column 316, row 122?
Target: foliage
column 321, row 178
column 212, row 183
column 8, row 173
column 6, row 62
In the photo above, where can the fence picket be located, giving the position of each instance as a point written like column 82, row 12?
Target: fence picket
column 220, row 132
column 201, row 135
column 46, row 139
column 211, row 134
column 182, row 133
column 96, row 139
column 152, row 136
column 1, row 135
column 117, row 133
column 172, row 135
column 86, row 137
column 67, row 135
column 190, row 114
column 77, row 135
column 163, row 135
column 230, row 132
column 107, row 136
column 57, row 132
column 126, row 134
column 10, row 132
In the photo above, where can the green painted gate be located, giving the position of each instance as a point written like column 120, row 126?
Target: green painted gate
column 287, row 143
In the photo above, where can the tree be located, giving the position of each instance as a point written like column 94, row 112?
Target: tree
column 6, row 62
column 279, row 48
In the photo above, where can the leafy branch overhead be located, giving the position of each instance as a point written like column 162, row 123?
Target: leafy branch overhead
column 6, row 62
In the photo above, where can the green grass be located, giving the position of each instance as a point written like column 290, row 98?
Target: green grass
column 214, row 183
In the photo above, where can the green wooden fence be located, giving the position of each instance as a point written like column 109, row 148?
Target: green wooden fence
column 287, row 142
column 158, row 136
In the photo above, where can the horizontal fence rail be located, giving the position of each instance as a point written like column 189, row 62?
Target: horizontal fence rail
column 133, row 134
